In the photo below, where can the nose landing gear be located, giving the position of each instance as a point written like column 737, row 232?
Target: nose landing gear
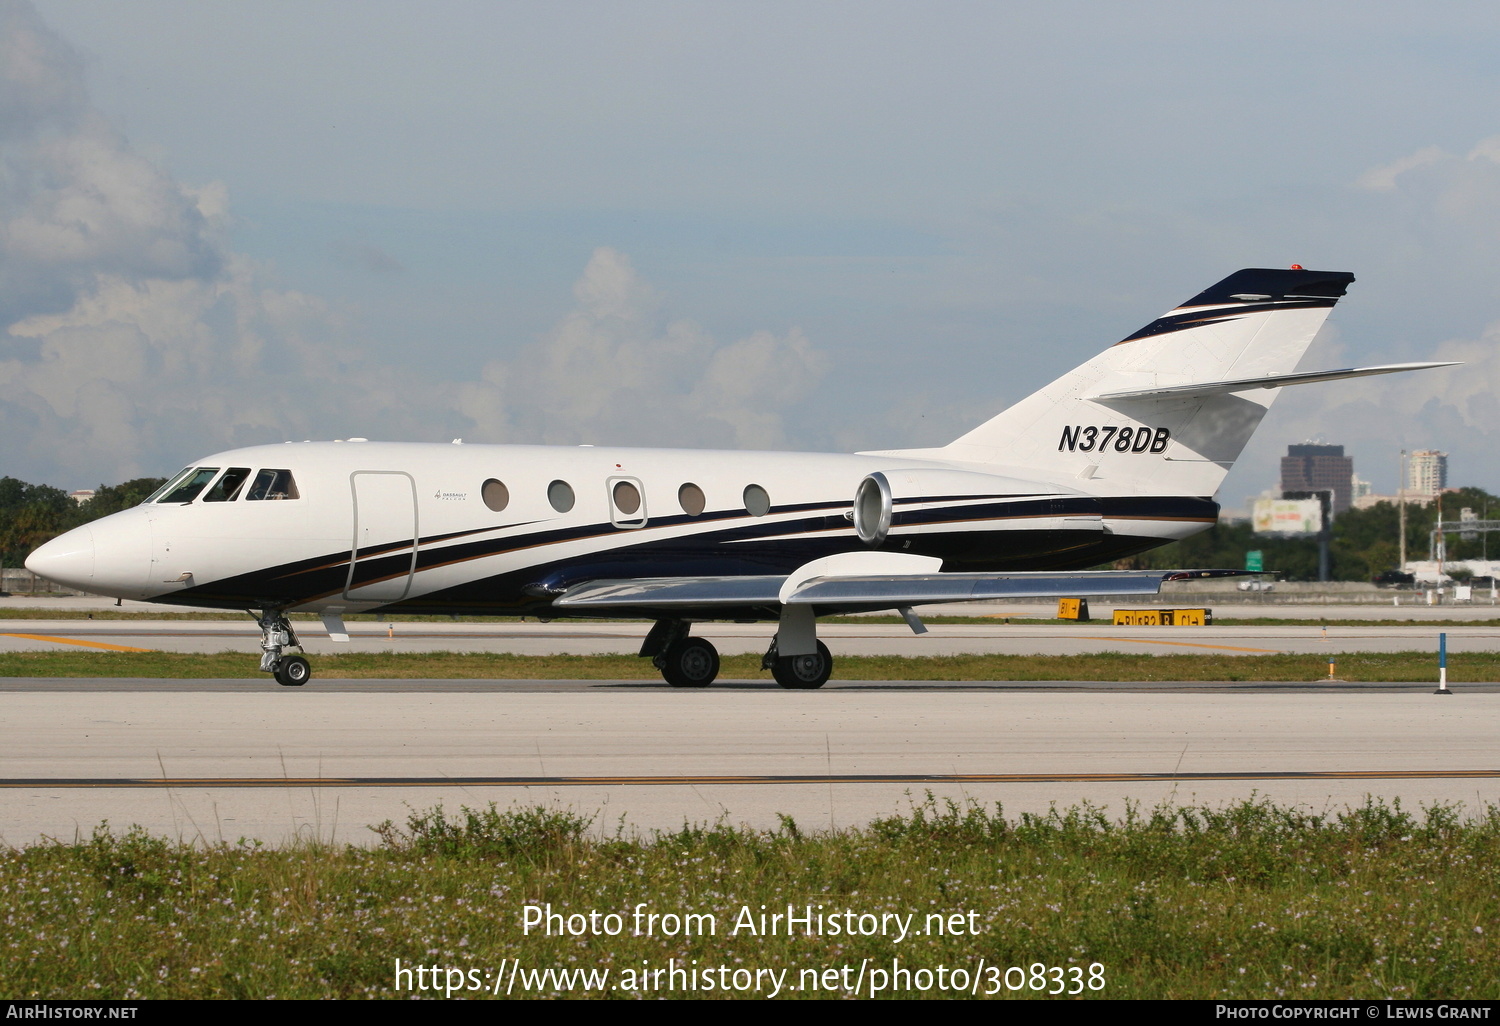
column 276, row 634
column 293, row 672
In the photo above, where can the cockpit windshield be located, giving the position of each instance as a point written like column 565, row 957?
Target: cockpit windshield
column 186, row 485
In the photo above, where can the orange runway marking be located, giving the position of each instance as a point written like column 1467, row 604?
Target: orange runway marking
column 76, row 641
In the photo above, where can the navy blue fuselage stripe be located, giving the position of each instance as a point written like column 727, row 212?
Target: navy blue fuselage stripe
column 309, row 579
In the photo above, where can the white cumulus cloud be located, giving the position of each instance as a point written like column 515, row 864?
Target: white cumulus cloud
column 615, row 371
column 134, row 339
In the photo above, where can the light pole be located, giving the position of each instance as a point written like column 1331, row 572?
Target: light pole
column 1324, row 534
column 1401, row 502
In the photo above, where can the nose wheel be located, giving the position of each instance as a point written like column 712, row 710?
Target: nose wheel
column 276, row 635
column 293, row 672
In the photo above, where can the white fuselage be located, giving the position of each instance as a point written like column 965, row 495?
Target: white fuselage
column 412, row 527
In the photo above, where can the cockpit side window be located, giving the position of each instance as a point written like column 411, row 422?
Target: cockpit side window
column 172, row 482
column 189, row 484
column 273, row 484
column 227, row 488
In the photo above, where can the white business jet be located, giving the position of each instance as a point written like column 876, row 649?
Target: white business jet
column 1118, row 456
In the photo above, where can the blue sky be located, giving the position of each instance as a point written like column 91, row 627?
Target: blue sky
column 801, row 225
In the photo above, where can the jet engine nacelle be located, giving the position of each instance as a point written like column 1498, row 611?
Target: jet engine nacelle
column 877, row 494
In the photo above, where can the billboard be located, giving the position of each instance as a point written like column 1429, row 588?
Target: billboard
column 1288, row 516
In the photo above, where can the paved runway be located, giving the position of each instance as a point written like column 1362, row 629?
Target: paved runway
column 596, row 638
column 229, row 759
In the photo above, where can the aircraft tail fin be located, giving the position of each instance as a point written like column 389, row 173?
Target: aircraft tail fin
column 1168, row 409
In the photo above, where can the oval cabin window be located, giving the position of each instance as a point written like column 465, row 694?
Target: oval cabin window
column 627, row 497
column 690, row 498
column 496, row 496
column 560, row 494
column 757, row 502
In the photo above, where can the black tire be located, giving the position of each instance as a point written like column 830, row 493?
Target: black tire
column 804, row 672
column 293, row 672
column 690, row 663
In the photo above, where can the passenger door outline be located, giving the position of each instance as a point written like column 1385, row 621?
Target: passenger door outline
column 386, row 526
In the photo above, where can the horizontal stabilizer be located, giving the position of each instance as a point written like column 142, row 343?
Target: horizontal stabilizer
column 1207, row 388
column 868, row 591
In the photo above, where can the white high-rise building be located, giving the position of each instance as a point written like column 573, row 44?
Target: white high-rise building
column 1426, row 472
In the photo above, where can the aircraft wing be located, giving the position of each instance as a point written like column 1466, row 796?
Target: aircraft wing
column 866, row 591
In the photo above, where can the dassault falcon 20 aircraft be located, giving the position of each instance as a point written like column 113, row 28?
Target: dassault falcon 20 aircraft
column 1118, row 456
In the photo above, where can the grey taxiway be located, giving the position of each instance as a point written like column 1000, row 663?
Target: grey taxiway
column 218, row 761
column 215, row 761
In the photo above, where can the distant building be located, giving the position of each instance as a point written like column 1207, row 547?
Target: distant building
column 1311, row 467
column 82, row 495
column 1426, row 472
column 1366, row 501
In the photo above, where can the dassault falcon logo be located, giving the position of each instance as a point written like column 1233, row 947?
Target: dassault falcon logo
column 1125, row 439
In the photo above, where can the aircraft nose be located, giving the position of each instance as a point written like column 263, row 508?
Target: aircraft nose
column 111, row 557
column 67, row 559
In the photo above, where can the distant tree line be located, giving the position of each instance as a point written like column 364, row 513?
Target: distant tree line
column 1364, row 542
column 31, row 514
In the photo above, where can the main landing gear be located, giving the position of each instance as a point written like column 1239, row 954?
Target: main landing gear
column 800, row 672
column 684, row 662
column 276, row 634
column 797, row 659
column 688, row 662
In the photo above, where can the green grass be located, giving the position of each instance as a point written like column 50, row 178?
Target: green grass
column 1246, row 901
column 1104, row 666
